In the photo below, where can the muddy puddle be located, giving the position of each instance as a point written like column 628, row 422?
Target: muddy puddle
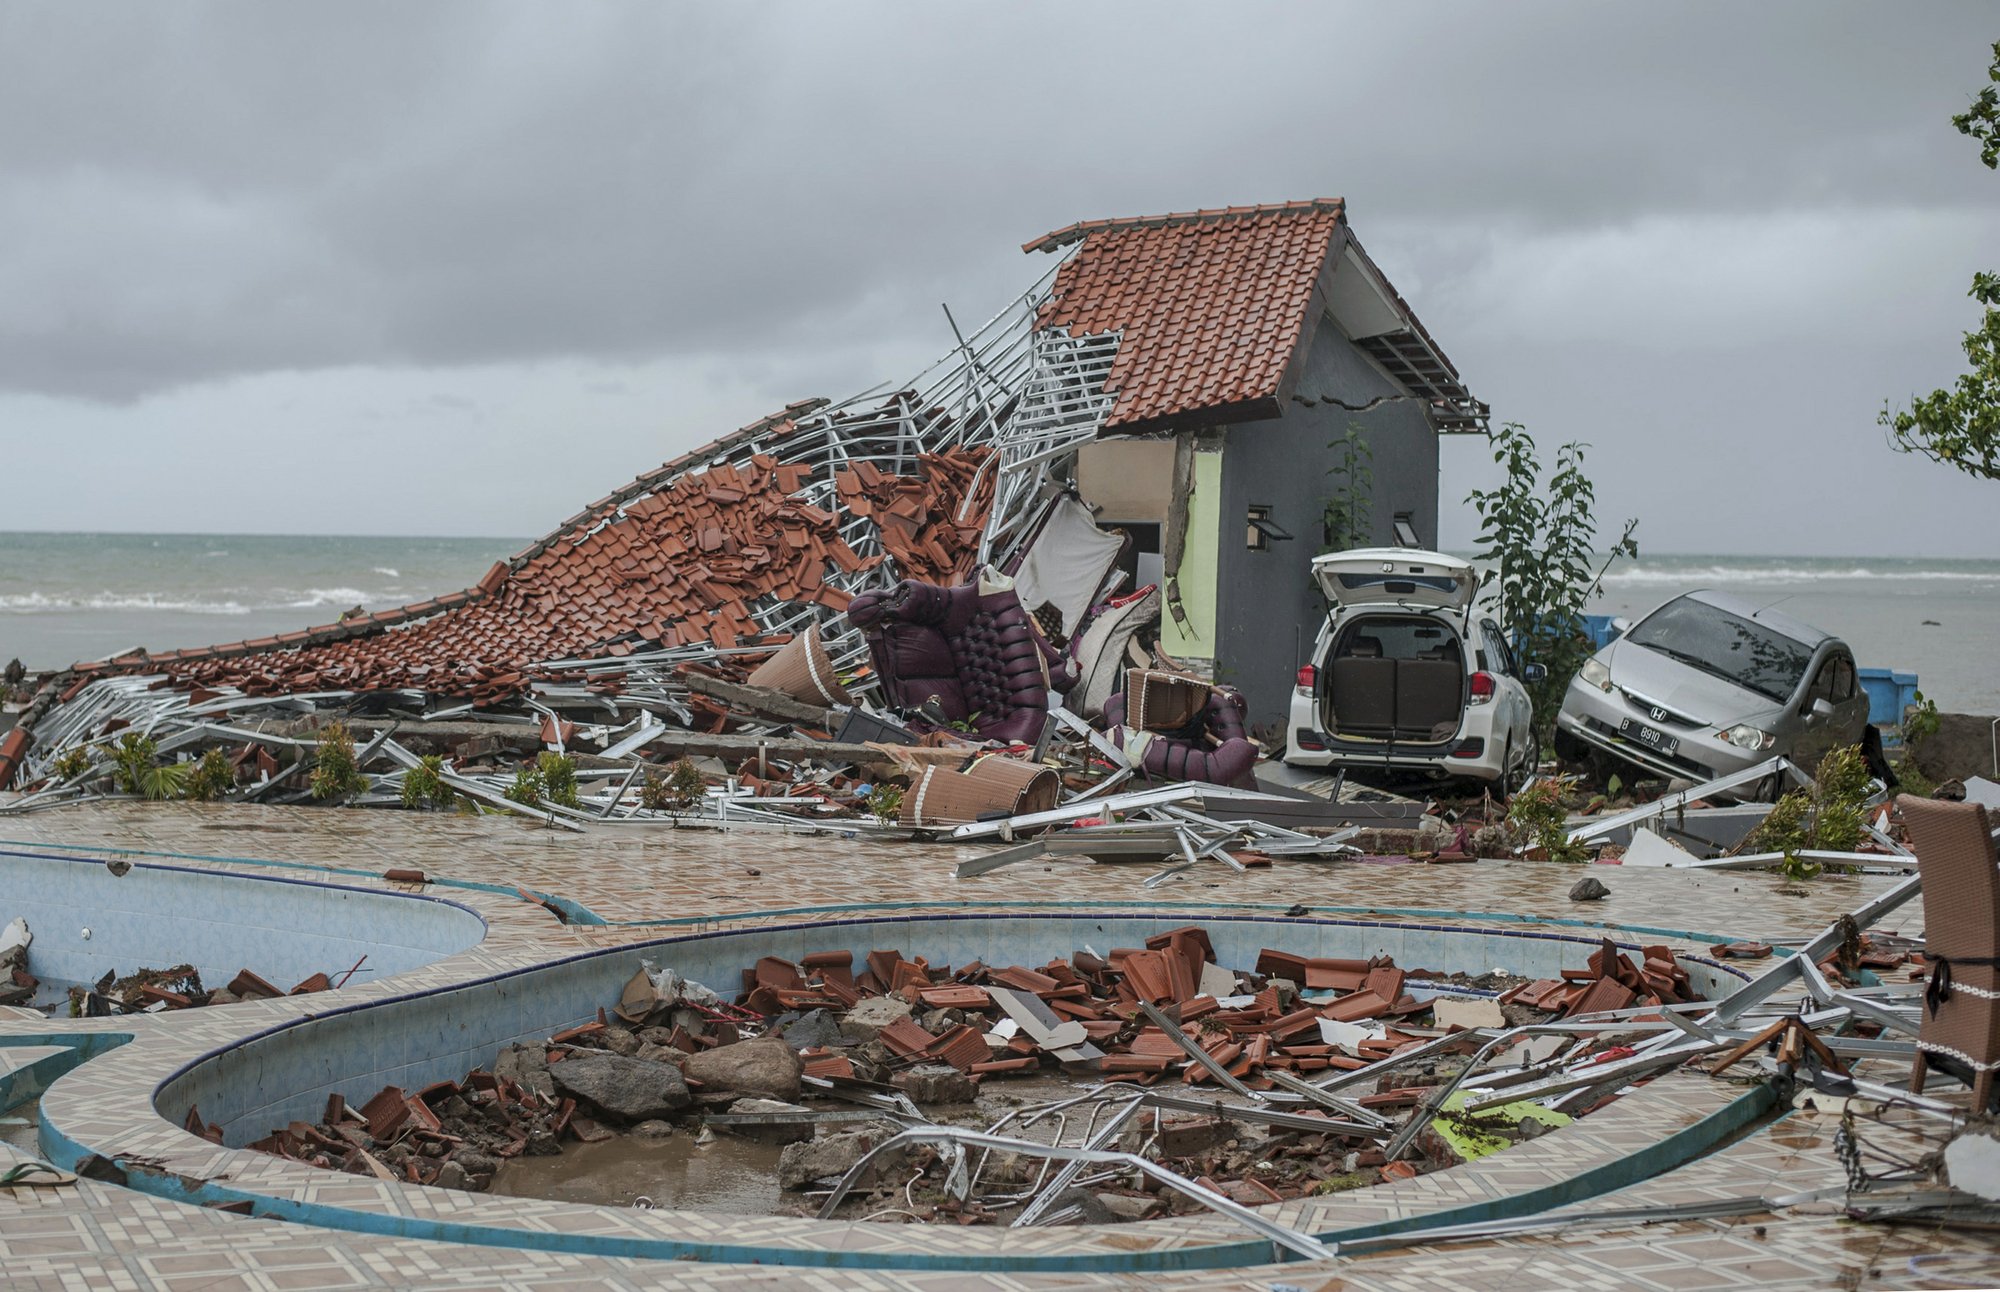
column 729, row 1174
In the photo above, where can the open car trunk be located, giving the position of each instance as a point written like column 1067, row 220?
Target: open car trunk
column 1394, row 679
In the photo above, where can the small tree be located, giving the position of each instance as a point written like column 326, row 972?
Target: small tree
column 527, row 787
column 680, row 790
column 1539, row 544
column 336, row 775
column 135, row 769
column 1959, row 425
column 1348, row 519
column 1539, row 812
column 212, row 776
column 423, row 785
column 558, row 778
column 885, row 803
column 1831, row 816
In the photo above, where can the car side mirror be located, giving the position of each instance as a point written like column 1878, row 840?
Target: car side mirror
column 1819, row 710
column 1533, row 673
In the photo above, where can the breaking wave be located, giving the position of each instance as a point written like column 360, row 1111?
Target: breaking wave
column 1645, row 575
column 30, row 603
column 43, row 603
column 326, row 597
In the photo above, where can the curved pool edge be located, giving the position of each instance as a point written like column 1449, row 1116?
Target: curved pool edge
column 204, row 1188
column 1711, row 1132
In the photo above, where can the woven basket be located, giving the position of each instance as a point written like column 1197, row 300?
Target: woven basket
column 1158, row 701
column 995, row 783
column 803, row 671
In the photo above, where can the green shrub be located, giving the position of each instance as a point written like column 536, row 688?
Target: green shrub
column 686, row 788
column 1921, row 722
column 72, row 762
column 558, row 778
column 134, row 769
column 423, row 785
column 886, row 802
column 1539, row 811
column 212, row 776
column 1831, row 816
column 336, row 774
column 527, row 787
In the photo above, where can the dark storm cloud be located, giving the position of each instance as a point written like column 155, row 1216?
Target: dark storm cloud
column 345, row 267
column 194, row 192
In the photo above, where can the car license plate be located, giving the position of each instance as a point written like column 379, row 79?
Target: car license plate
column 1641, row 734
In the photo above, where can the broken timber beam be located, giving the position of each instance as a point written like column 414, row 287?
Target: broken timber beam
column 758, row 699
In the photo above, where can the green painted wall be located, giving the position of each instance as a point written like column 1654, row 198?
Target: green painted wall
column 1196, row 639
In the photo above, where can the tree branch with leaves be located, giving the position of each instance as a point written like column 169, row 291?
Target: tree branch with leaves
column 1959, row 425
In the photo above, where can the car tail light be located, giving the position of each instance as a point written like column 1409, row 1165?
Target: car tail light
column 1307, row 676
column 1482, row 687
column 1471, row 748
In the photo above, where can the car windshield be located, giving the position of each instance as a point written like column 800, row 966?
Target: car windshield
column 1729, row 646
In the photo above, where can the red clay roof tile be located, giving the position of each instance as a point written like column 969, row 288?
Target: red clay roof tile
column 1242, row 277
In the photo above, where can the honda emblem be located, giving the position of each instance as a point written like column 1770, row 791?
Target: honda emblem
column 1657, row 714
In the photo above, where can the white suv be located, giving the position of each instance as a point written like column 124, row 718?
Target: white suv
column 1407, row 674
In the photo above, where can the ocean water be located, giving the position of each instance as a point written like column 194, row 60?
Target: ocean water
column 66, row 597
column 69, row 597
column 1937, row 618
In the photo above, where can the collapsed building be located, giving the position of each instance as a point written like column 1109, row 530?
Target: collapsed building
column 1182, row 375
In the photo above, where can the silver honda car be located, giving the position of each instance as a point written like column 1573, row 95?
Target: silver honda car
column 1710, row 684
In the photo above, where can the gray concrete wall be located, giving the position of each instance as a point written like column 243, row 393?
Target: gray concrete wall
column 1268, row 605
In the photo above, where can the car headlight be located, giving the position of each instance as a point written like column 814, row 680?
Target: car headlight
column 1744, row 736
column 1595, row 672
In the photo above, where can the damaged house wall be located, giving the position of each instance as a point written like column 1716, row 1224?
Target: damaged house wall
column 1269, row 607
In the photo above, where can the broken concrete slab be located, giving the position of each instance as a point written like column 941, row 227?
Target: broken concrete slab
column 629, row 1089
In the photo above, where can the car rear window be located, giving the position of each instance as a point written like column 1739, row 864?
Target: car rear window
column 1398, row 639
column 1727, row 645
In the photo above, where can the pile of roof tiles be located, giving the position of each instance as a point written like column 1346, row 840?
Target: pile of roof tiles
column 687, row 563
column 152, row 990
column 930, row 522
column 454, row 1134
column 1610, row 982
column 1268, row 1027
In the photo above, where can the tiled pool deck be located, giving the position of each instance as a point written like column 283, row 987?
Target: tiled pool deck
column 646, row 885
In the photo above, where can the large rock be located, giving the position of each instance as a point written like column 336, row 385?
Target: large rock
column 766, row 1067
column 630, row 1089
column 1588, row 889
column 832, row 1156
column 527, row 1066
column 872, row 1015
column 817, row 1028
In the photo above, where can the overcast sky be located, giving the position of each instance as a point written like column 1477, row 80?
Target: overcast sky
column 459, row 269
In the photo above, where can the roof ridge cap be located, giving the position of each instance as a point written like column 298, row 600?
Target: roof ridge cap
column 1335, row 206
